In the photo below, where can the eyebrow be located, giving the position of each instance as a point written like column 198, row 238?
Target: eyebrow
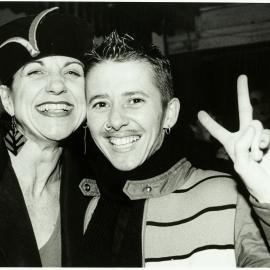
column 74, row 62
column 133, row 93
column 33, row 62
column 97, row 97
column 126, row 94
column 42, row 64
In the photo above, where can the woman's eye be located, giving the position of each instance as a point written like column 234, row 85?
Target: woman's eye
column 75, row 73
column 100, row 105
column 136, row 100
column 34, row 72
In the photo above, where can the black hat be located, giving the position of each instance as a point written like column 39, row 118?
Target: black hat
column 33, row 37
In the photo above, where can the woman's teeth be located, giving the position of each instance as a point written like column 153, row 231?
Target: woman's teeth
column 124, row 141
column 54, row 107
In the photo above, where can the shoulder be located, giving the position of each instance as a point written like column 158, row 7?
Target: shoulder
column 210, row 183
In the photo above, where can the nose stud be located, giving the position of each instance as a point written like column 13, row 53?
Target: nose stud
column 107, row 127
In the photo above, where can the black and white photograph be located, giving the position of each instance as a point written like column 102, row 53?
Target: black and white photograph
column 134, row 134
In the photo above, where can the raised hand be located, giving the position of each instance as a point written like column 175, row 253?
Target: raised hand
column 248, row 147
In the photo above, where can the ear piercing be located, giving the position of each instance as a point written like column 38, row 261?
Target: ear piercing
column 167, row 130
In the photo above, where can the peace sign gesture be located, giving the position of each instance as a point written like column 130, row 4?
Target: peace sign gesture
column 248, row 147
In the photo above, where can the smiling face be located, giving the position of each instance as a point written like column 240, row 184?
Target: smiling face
column 47, row 97
column 124, row 96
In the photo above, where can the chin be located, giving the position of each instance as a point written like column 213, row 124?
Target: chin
column 121, row 166
column 58, row 136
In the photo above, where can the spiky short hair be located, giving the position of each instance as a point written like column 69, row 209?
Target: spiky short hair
column 125, row 48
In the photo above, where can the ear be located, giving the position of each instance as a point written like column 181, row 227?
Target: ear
column 172, row 112
column 6, row 99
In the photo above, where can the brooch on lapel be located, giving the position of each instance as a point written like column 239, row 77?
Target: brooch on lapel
column 89, row 187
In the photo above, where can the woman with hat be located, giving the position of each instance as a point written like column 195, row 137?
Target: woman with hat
column 42, row 92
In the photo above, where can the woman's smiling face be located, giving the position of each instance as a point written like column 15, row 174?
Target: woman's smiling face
column 47, row 97
column 124, row 96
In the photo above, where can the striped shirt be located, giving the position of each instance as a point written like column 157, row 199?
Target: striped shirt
column 194, row 225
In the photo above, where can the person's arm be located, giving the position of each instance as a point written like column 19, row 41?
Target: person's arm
column 251, row 247
column 262, row 211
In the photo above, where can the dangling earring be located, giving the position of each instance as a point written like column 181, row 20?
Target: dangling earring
column 85, row 138
column 167, row 130
column 14, row 139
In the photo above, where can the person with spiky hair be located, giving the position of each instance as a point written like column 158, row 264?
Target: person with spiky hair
column 149, row 206
column 42, row 92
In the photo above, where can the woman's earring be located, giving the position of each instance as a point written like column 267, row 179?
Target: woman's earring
column 14, row 139
column 167, row 130
column 85, row 138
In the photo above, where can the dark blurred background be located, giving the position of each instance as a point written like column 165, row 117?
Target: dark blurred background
column 209, row 45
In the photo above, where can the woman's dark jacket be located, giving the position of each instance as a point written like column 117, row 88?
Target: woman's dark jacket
column 18, row 247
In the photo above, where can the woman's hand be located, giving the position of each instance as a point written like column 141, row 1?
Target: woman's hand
column 248, row 147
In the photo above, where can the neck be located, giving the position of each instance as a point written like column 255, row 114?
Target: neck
column 37, row 167
column 161, row 161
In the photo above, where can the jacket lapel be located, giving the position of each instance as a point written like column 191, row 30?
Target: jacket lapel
column 73, row 207
column 17, row 241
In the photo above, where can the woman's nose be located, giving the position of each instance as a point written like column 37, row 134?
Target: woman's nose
column 118, row 118
column 56, row 85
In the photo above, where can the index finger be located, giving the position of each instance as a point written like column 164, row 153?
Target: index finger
column 244, row 105
column 215, row 129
